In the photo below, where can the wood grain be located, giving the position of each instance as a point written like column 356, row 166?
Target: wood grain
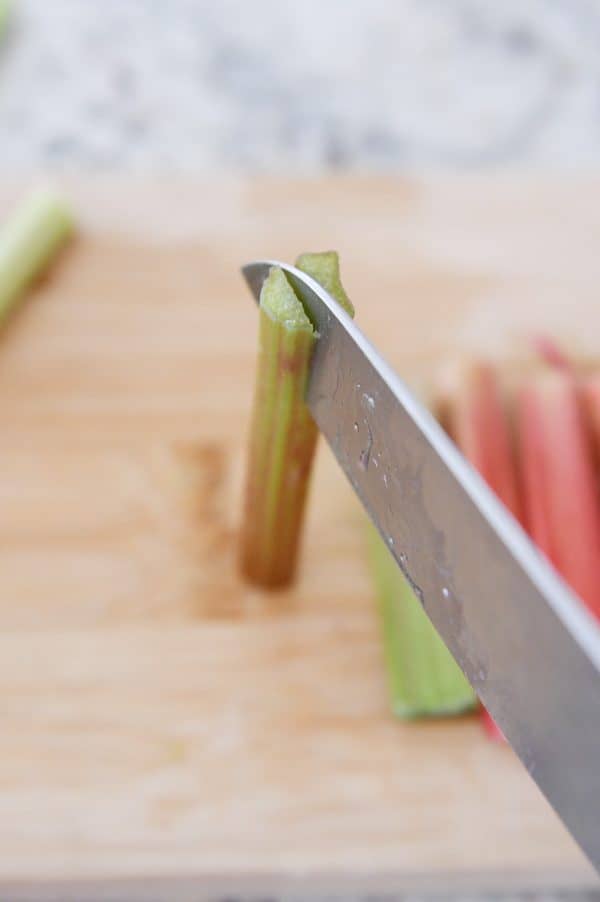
column 158, row 716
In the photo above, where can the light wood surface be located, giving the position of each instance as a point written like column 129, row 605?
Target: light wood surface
column 159, row 717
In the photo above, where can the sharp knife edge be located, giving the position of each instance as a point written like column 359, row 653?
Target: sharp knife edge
column 524, row 640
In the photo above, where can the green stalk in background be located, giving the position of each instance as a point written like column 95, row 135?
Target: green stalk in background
column 28, row 241
column 5, row 8
column 423, row 677
column 283, row 434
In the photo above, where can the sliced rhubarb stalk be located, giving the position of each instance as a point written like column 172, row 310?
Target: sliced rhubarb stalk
column 28, row 243
column 473, row 412
column 283, row 437
column 562, row 506
column 423, row 677
column 283, row 434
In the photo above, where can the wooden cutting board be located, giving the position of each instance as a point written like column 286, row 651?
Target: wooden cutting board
column 160, row 718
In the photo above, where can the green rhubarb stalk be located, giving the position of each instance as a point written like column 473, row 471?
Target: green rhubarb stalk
column 423, row 677
column 283, row 434
column 28, row 242
column 5, row 6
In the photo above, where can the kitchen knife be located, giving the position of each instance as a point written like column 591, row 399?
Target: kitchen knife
column 526, row 643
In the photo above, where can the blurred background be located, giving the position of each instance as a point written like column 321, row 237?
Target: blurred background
column 299, row 87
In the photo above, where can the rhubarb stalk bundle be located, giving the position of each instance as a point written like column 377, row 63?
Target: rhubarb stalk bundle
column 283, row 434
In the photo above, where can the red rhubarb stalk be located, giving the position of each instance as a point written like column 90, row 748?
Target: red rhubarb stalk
column 591, row 399
column 562, row 504
column 473, row 412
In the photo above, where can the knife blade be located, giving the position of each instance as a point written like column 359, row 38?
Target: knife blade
column 526, row 643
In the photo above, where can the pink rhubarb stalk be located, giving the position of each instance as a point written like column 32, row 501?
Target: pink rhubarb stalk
column 473, row 412
column 591, row 399
column 562, row 504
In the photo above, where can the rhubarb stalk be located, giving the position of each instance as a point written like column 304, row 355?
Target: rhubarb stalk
column 472, row 410
column 423, row 677
column 591, row 397
column 28, row 242
column 283, row 434
column 4, row 14
column 562, row 504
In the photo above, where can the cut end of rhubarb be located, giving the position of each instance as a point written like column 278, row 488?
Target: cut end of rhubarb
column 44, row 218
column 279, row 302
column 324, row 268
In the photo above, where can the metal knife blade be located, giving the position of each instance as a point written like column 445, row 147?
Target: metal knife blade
column 524, row 640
